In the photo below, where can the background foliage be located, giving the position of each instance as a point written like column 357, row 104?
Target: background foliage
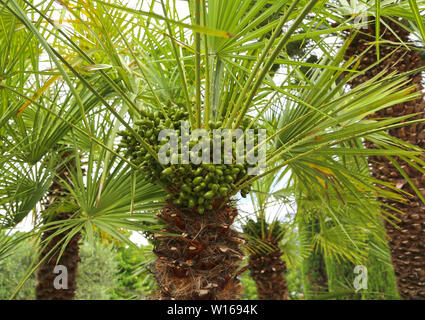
column 106, row 272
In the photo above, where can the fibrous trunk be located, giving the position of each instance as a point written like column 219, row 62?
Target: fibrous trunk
column 70, row 258
column 407, row 240
column 201, row 262
column 268, row 270
column 65, row 287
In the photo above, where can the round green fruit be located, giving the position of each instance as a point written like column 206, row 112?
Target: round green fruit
column 209, row 195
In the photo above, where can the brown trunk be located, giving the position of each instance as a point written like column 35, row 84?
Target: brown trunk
column 45, row 289
column 202, row 262
column 268, row 271
column 70, row 258
column 407, row 241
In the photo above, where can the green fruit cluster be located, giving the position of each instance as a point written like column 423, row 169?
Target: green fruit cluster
column 191, row 185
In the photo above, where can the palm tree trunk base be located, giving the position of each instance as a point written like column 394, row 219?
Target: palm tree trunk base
column 202, row 262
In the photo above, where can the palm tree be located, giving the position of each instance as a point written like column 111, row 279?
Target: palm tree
column 99, row 203
column 314, row 266
column 398, row 54
column 219, row 283
column 42, row 173
column 160, row 73
column 315, row 273
column 60, row 208
column 267, row 268
column 174, row 265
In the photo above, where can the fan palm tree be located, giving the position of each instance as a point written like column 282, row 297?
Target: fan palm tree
column 314, row 91
column 327, row 276
column 41, row 171
column 164, row 69
column 396, row 53
column 265, row 263
column 315, row 262
column 99, row 202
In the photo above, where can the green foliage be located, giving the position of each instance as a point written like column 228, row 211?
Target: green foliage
column 314, row 275
column 382, row 283
column 249, row 288
column 13, row 268
column 104, row 273
column 293, row 280
column 332, row 277
column 97, row 272
column 340, row 281
column 263, row 230
column 132, row 282
column 328, row 278
column 228, row 77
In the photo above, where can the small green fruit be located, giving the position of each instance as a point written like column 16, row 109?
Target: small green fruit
column 209, row 195
column 197, row 180
column 167, row 172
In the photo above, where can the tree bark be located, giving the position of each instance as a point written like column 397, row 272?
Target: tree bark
column 200, row 263
column 70, row 258
column 407, row 240
column 46, row 275
column 268, row 271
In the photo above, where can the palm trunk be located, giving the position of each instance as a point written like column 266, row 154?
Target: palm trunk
column 70, row 258
column 407, row 240
column 46, row 275
column 201, row 263
column 268, row 270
